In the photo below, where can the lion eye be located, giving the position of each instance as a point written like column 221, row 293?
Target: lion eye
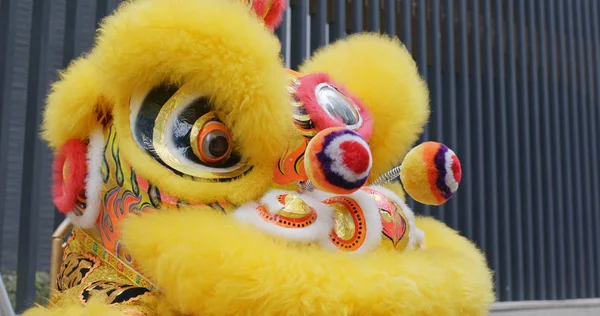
column 210, row 140
column 180, row 130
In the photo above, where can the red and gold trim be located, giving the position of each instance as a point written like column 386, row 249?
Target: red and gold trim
column 110, row 259
column 294, row 213
column 350, row 230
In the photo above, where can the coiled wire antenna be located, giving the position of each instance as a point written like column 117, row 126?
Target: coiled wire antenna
column 388, row 176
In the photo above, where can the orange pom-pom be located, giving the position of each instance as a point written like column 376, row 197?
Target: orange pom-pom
column 431, row 173
column 338, row 161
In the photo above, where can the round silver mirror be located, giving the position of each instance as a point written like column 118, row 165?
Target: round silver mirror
column 338, row 106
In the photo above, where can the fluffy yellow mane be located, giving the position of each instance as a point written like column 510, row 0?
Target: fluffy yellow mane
column 207, row 262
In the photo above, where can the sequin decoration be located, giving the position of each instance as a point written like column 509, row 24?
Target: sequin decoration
column 113, row 292
column 301, row 117
column 295, row 213
column 111, row 260
column 349, row 229
column 75, row 269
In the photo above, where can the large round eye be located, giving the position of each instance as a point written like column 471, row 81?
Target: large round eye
column 210, row 140
column 179, row 128
column 337, row 105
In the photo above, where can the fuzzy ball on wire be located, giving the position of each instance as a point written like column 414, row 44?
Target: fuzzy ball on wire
column 338, row 160
column 431, row 173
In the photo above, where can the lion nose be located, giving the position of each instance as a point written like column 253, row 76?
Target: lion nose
column 338, row 160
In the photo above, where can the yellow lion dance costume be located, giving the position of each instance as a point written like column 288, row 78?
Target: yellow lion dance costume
column 203, row 178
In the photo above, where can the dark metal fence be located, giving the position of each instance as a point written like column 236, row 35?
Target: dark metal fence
column 514, row 90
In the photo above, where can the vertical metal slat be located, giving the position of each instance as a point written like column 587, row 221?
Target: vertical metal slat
column 422, row 63
column 559, row 231
column 7, row 39
column 546, row 153
column 595, row 117
column 112, row 5
column 526, row 162
column 30, row 185
column 592, row 169
column 583, row 164
column 574, row 106
column 101, row 10
column 406, row 29
column 450, row 99
column 502, row 149
column 390, row 17
column 406, row 38
column 337, row 29
column 536, row 168
column 513, row 107
column 357, row 16
column 283, row 33
column 464, row 105
column 479, row 168
column 490, row 145
column 299, row 47
column 70, row 27
column 421, row 57
column 374, row 16
column 435, row 83
column 319, row 25
column 566, row 140
column 584, row 152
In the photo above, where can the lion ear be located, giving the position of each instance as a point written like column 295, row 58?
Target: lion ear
column 380, row 71
column 75, row 104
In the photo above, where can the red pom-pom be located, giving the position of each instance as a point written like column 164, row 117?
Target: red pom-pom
column 338, row 161
column 68, row 175
column 271, row 11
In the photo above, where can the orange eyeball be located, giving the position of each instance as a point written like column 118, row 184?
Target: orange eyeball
column 338, row 160
column 431, row 173
column 210, row 141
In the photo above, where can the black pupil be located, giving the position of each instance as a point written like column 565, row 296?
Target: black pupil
column 218, row 146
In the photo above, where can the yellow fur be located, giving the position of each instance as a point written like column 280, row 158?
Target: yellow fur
column 397, row 188
column 95, row 308
column 383, row 74
column 214, row 46
column 72, row 104
column 209, row 265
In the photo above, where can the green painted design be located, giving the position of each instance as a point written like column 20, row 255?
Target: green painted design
column 119, row 171
column 105, row 170
column 154, row 195
column 114, row 149
column 134, row 184
column 216, row 206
